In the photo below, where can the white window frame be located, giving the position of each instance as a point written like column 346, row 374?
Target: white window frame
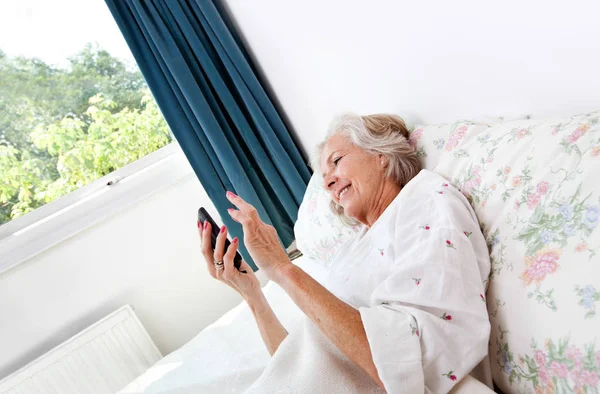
column 30, row 234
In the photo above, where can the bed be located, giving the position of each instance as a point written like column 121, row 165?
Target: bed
column 229, row 355
column 542, row 170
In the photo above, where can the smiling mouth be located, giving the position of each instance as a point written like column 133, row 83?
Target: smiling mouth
column 344, row 190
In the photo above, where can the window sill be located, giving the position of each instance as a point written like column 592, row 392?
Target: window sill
column 29, row 235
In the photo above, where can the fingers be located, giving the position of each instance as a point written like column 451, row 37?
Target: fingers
column 229, row 270
column 245, row 208
column 220, row 248
column 238, row 216
column 207, row 252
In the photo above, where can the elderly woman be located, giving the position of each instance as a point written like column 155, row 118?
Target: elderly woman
column 404, row 309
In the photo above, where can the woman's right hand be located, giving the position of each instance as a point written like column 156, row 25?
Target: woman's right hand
column 246, row 284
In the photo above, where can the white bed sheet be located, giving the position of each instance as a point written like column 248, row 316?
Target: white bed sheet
column 228, row 355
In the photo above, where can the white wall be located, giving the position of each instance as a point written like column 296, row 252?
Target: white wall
column 147, row 256
column 429, row 61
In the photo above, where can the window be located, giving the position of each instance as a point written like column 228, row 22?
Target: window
column 73, row 104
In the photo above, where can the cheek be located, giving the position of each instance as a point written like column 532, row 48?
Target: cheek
column 363, row 172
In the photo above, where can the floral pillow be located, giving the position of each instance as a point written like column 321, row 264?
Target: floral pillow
column 432, row 141
column 535, row 186
column 319, row 233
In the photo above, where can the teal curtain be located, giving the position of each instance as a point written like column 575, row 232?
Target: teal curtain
column 216, row 107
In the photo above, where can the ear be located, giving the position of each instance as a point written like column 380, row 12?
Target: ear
column 383, row 161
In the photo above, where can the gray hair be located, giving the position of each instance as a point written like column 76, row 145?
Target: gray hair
column 379, row 134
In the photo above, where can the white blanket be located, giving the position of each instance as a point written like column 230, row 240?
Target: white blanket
column 307, row 362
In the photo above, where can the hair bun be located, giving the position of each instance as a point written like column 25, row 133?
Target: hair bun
column 386, row 124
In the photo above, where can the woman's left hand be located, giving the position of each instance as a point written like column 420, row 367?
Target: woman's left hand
column 259, row 238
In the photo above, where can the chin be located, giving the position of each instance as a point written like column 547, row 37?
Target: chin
column 348, row 211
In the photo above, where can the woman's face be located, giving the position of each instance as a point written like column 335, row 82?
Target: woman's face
column 354, row 178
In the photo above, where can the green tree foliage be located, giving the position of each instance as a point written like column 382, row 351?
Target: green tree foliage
column 61, row 128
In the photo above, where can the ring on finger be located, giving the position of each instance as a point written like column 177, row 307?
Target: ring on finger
column 219, row 265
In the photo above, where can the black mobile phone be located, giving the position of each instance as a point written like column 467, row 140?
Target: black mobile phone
column 204, row 216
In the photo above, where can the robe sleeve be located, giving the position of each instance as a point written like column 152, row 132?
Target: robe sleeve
column 427, row 323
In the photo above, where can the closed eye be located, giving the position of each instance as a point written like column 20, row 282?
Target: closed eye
column 337, row 160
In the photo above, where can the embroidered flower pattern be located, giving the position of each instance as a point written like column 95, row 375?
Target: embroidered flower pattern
column 468, row 233
column 450, row 376
column 426, row 227
column 472, row 187
column 542, row 188
column 414, row 329
column 557, row 364
column 413, row 141
column 580, row 131
column 547, row 208
column 588, row 298
column 380, row 251
column 544, row 262
column 449, row 244
column 516, row 181
column 439, row 143
column 455, row 137
column 417, row 281
column 533, row 200
column 518, row 134
column 414, row 137
column 446, row 316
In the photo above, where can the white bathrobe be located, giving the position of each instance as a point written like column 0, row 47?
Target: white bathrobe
column 418, row 279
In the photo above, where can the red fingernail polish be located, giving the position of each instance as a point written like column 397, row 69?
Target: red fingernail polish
column 223, row 229
column 230, row 194
column 199, row 224
column 235, row 240
column 230, row 209
column 205, row 225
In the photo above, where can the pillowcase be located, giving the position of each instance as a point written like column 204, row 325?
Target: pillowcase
column 534, row 187
column 319, row 233
column 433, row 141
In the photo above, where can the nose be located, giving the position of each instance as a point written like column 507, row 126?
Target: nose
column 329, row 181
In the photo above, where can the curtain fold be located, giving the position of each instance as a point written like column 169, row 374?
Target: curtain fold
column 216, row 107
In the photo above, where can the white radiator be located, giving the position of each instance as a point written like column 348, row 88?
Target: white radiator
column 102, row 359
